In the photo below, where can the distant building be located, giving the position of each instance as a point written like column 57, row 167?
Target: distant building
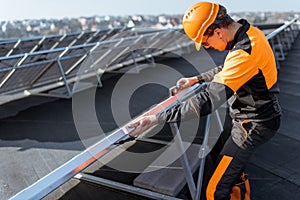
column 135, row 21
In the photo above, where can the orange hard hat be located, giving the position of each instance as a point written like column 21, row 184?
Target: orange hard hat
column 197, row 19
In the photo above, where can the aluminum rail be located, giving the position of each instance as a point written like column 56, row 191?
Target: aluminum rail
column 268, row 26
column 65, row 172
column 282, row 39
column 281, row 28
column 14, row 40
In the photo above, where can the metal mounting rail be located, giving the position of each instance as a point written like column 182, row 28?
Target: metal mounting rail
column 65, row 172
column 282, row 39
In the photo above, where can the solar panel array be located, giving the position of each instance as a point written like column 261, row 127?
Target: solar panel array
column 45, row 63
column 29, row 45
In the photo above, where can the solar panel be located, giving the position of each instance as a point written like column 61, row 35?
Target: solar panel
column 46, row 67
column 98, row 58
column 5, row 47
column 108, row 34
column 50, row 74
column 71, row 65
column 9, row 62
column 128, row 47
column 78, row 50
column 84, row 38
column 97, row 36
column 29, row 64
column 27, row 45
column 47, row 43
column 67, row 62
column 67, row 40
column 21, row 79
column 24, row 46
column 2, row 75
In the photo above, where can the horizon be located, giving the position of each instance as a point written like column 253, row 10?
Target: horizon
column 125, row 15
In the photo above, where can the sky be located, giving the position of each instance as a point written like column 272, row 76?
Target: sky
column 57, row 9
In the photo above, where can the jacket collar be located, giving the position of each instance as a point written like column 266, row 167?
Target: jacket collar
column 239, row 34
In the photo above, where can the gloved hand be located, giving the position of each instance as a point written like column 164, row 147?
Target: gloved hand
column 187, row 82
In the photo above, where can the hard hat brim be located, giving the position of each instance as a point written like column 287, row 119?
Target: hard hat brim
column 198, row 46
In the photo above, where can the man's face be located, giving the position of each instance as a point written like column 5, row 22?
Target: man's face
column 216, row 41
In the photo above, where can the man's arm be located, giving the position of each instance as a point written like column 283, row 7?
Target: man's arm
column 208, row 100
column 205, row 101
column 203, row 77
column 209, row 75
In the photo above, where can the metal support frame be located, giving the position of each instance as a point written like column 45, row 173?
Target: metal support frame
column 135, row 62
column 282, row 38
column 123, row 187
column 65, row 81
column 202, row 153
column 149, row 57
column 184, row 160
column 64, row 77
column 279, row 45
column 274, row 51
column 194, row 188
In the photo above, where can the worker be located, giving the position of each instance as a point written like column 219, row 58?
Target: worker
column 247, row 81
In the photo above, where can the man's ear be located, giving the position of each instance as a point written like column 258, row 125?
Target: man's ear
column 218, row 31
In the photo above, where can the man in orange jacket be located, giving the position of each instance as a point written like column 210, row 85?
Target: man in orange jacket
column 247, row 80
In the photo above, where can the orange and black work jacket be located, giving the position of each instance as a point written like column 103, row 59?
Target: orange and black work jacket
column 248, row 81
